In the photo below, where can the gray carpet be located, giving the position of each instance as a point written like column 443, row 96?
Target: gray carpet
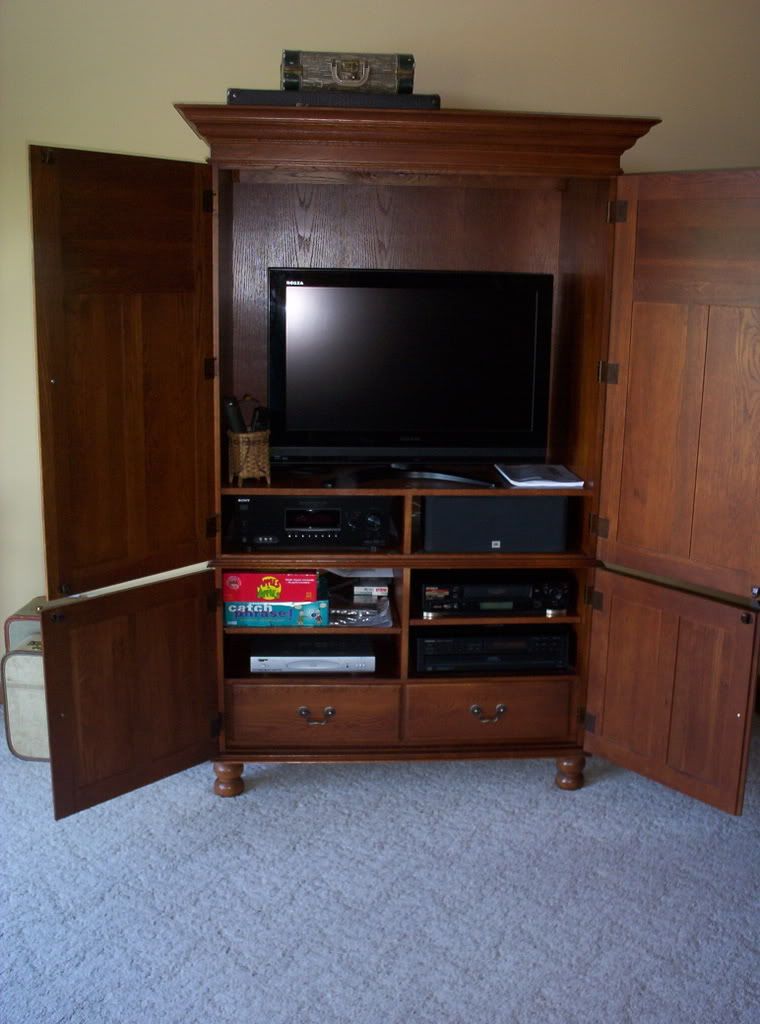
column 463, row 892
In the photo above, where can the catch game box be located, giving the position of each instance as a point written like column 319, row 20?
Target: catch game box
column 273, row 599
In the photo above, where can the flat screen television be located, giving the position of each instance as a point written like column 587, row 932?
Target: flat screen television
column 416, row 366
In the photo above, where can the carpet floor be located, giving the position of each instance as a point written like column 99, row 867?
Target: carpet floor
column 436, row 893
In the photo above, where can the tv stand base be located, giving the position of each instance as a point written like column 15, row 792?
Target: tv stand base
column 229, row 778
column 570, row 771
column 229, row 775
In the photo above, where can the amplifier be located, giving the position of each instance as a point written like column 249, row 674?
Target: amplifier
column 529, row 651
column 260, row 522
column 549, row 597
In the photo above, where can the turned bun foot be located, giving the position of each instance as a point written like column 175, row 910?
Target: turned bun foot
column 229, row 780
column 570, row 772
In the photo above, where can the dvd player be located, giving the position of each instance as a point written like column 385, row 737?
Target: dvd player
column 321, row 655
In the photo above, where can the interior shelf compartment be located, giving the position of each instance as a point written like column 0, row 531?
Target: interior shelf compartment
column 488, row 596
column 504, row 521
column 492, row 650
column 343, row 524
column 302, row 646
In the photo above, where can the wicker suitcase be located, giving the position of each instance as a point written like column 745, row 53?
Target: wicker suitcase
column 353, row 72
column 24, row 696
column 23, row 683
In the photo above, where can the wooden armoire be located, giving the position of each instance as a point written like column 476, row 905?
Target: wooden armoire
column 152, row 304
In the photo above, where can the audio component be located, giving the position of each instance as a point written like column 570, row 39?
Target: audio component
column 549, row 596
column 260, row 522
column 495, row 653
column 497, row 524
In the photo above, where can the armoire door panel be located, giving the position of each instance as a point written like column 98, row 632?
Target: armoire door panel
column 726, row 528
column 131, row 688
column 122, row 267
column 681, row 478
column 671, row 686
column 665, row 374
column 635, row 703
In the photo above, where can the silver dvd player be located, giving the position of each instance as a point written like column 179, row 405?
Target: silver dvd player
column 321, row 655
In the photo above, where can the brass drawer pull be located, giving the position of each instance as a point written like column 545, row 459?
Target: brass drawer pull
column 328, row 712
column 477, row 710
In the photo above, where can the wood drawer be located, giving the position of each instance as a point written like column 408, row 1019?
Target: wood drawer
column 534, row 709
column 264, row 715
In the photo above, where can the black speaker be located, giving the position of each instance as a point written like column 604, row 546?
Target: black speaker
column 496, row 524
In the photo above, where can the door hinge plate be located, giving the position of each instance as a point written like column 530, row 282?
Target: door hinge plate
column 209, row 368
column 212, row 526
column 595, row 598
column 589, row 721
column 607, row 373
column 599, row 525
column 617, row 211
column 216, row 726
column 208, row 200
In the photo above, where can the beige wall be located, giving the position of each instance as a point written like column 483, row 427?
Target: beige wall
column 102, row 74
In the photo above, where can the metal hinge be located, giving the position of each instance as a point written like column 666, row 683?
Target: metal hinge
column 209, row 367
column 599, row 525
column 214, row 600
column 755, row 597
column 589, row 721
column 64, row 589
column 208, row 200
column 617, row 211
column 607, row 373
column 212, row 526
column 595, row 598
column 216, row 726
column 48, row 156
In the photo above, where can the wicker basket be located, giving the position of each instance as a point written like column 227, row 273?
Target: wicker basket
column 248, row 456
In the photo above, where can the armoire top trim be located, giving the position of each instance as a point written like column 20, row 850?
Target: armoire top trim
column 441, row 142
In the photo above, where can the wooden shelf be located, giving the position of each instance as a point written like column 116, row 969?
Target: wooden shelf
column 311, row 630
column 496, row 620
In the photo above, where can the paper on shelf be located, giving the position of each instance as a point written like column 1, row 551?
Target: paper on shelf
column 538, row 475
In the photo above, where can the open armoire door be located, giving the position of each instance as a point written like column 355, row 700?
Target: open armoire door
column 672, row 674
column 122, row 250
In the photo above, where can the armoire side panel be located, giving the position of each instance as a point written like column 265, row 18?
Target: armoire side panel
column 681, row 480
column 670, row 690
column 124, row 322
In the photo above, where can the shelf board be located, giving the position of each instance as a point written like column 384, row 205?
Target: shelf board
column 318, row 678
column 415, row 488
column 495, row 620
column 327, row 558
column 311, row 630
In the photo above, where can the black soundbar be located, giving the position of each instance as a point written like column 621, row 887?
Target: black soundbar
column 332, row 98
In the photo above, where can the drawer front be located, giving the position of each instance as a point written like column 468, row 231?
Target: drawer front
column 490, row 711
column 265, row 716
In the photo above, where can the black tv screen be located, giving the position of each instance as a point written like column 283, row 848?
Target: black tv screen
column 416, row 365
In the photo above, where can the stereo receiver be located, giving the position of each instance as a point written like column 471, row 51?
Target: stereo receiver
column 260, row 522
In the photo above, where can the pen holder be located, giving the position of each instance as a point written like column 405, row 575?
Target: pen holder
column 248, row 456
